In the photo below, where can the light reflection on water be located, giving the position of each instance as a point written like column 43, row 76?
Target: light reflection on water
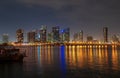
column 66, row 62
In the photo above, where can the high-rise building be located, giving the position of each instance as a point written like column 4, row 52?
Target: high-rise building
column 81, row 36
column 65, row 35
column 105, row 34
column 49, row 37
column 89, row 38
column 5, row 38
column 115, row 38
column 78, row 36
column 37, row 35
column 19, row 35
column 75, row 36
column 43, row 31
column 31, row 37
column 55, row 33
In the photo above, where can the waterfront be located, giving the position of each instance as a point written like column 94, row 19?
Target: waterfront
column 65, row 62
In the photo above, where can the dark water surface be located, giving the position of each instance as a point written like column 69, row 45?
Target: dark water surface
column 64, row 62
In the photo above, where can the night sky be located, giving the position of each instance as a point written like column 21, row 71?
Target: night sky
column 87, row 15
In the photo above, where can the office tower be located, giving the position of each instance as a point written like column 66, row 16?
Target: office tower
column 5, row 38
column 80, row 36
column 62, row 33
column 49, row 37
column 65, row 35
column 75, row 37
column 43, row 32
column 115, row 38
column 31, row 37
column 19, row 35
column 89, row 38
column 55, row 32
column 37, row 35
column 105, row 34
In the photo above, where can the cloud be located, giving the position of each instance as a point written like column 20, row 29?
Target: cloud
column 60, row 4
column 55, row 4
column 72, row 4
column 76, row 9
column 80, row 10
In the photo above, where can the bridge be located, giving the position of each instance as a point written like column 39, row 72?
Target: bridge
column 85, row 44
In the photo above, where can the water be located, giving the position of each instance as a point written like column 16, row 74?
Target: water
column 64, row 62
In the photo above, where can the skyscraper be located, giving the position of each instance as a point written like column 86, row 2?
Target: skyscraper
column 81, row 36
column 5, row 38
column 37, row 35
column 49, row 37
column 31, row 36
column 19, row 35
column 105, row 34
column 65, row 35
column 55, row 33
column 75, row 36
column 115, row 38
column 89, row 38
column 78, row 36
column 43, row 31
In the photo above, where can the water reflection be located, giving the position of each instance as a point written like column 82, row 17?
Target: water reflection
column 92, row 57
column 11, row 70
column 69, row 62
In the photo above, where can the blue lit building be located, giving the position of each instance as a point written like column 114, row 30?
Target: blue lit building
column 65, row 35
column 37, row 35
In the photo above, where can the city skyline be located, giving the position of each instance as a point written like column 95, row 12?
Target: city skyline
column 58, row 35
column 89, row 16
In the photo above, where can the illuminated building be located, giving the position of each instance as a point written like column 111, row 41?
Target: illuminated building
column 19, row 35
column 43, row 32
column 89, row 38
column 5, row 38
column 55, row 32
column 37, row 35
column 81, row 36
column 115, row 38
column 105, row 34
column 75, row 37
column 78, row 36
column 31, row 36
column 65, row 35
column 49, row 37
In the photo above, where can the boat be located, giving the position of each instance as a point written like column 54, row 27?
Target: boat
column 9, row 53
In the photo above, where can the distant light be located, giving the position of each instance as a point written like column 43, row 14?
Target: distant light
column 38, row 35
column 62, row 31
